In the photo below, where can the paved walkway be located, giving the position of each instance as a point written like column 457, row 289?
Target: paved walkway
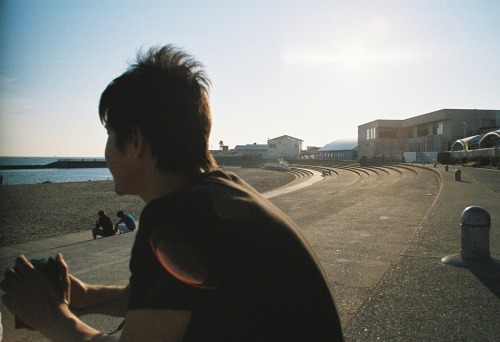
column 380, row 234
column 421, row 299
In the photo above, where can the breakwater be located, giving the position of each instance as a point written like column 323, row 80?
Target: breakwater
column 61, row 164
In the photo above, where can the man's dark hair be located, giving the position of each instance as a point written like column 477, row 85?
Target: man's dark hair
column 164, row 96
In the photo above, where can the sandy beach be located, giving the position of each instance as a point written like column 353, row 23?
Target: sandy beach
column 36, row 211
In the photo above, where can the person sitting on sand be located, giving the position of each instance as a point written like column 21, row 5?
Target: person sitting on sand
column 127, row 220
column 103, row 226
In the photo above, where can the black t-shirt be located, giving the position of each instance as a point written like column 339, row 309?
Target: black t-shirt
column 106, row 224
column 262, row 281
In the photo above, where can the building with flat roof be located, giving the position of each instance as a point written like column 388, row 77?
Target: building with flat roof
column 423, row 136
column 251, row 149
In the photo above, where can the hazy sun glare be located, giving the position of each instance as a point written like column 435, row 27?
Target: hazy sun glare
column 350, row 58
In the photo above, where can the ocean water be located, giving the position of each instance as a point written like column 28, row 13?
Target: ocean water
column 35, row 176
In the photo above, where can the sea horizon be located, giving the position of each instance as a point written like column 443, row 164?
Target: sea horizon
column 29, row 160
column 37, row 176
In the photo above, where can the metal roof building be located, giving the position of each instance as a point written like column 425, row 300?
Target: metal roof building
column 340, row 149
column 491, row 139
column 468, row 143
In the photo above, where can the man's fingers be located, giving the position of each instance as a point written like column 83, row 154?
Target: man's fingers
column 64, row 281
column 14, row 283
column 62, row 266
column 9, row 272
column 7, row 283
column 23, row 266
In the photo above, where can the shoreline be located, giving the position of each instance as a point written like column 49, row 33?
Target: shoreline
column 37, row 211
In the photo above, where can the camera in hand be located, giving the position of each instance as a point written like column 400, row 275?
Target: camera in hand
column 48, row 267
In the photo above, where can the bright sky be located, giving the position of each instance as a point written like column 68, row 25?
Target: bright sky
column 314, row 70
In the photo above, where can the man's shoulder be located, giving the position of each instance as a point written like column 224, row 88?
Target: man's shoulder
column 218, row 191
column 223, row 182
column 218, row 176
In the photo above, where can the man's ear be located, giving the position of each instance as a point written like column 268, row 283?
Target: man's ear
column 140, row 144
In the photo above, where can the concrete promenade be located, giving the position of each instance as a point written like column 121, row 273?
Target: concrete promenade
column 380, row 233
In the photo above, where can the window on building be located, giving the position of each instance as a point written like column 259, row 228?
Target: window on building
column 387, row 135
column 437, row 128
column 273, row 145
column 422, row 131
column 370, row 133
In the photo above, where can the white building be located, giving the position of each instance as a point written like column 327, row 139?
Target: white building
column 284, row 147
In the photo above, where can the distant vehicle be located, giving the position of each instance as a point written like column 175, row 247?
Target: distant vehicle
column 280, row 166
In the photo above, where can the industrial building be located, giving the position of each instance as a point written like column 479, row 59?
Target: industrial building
column 421, row 137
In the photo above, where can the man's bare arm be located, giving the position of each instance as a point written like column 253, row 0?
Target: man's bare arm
column 141, row 325
column 155, row 325
column 89, row 299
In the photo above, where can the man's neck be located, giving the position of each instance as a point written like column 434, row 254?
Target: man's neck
column 160, row 183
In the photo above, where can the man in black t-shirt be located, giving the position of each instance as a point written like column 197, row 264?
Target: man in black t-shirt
column 232, row 259
column 212, row 260
column 103, row 226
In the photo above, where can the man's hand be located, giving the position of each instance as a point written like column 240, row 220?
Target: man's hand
column 33, row 296
column 78, row 290
column 43, row 303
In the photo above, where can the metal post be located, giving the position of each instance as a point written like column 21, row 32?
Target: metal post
column 475, row 224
